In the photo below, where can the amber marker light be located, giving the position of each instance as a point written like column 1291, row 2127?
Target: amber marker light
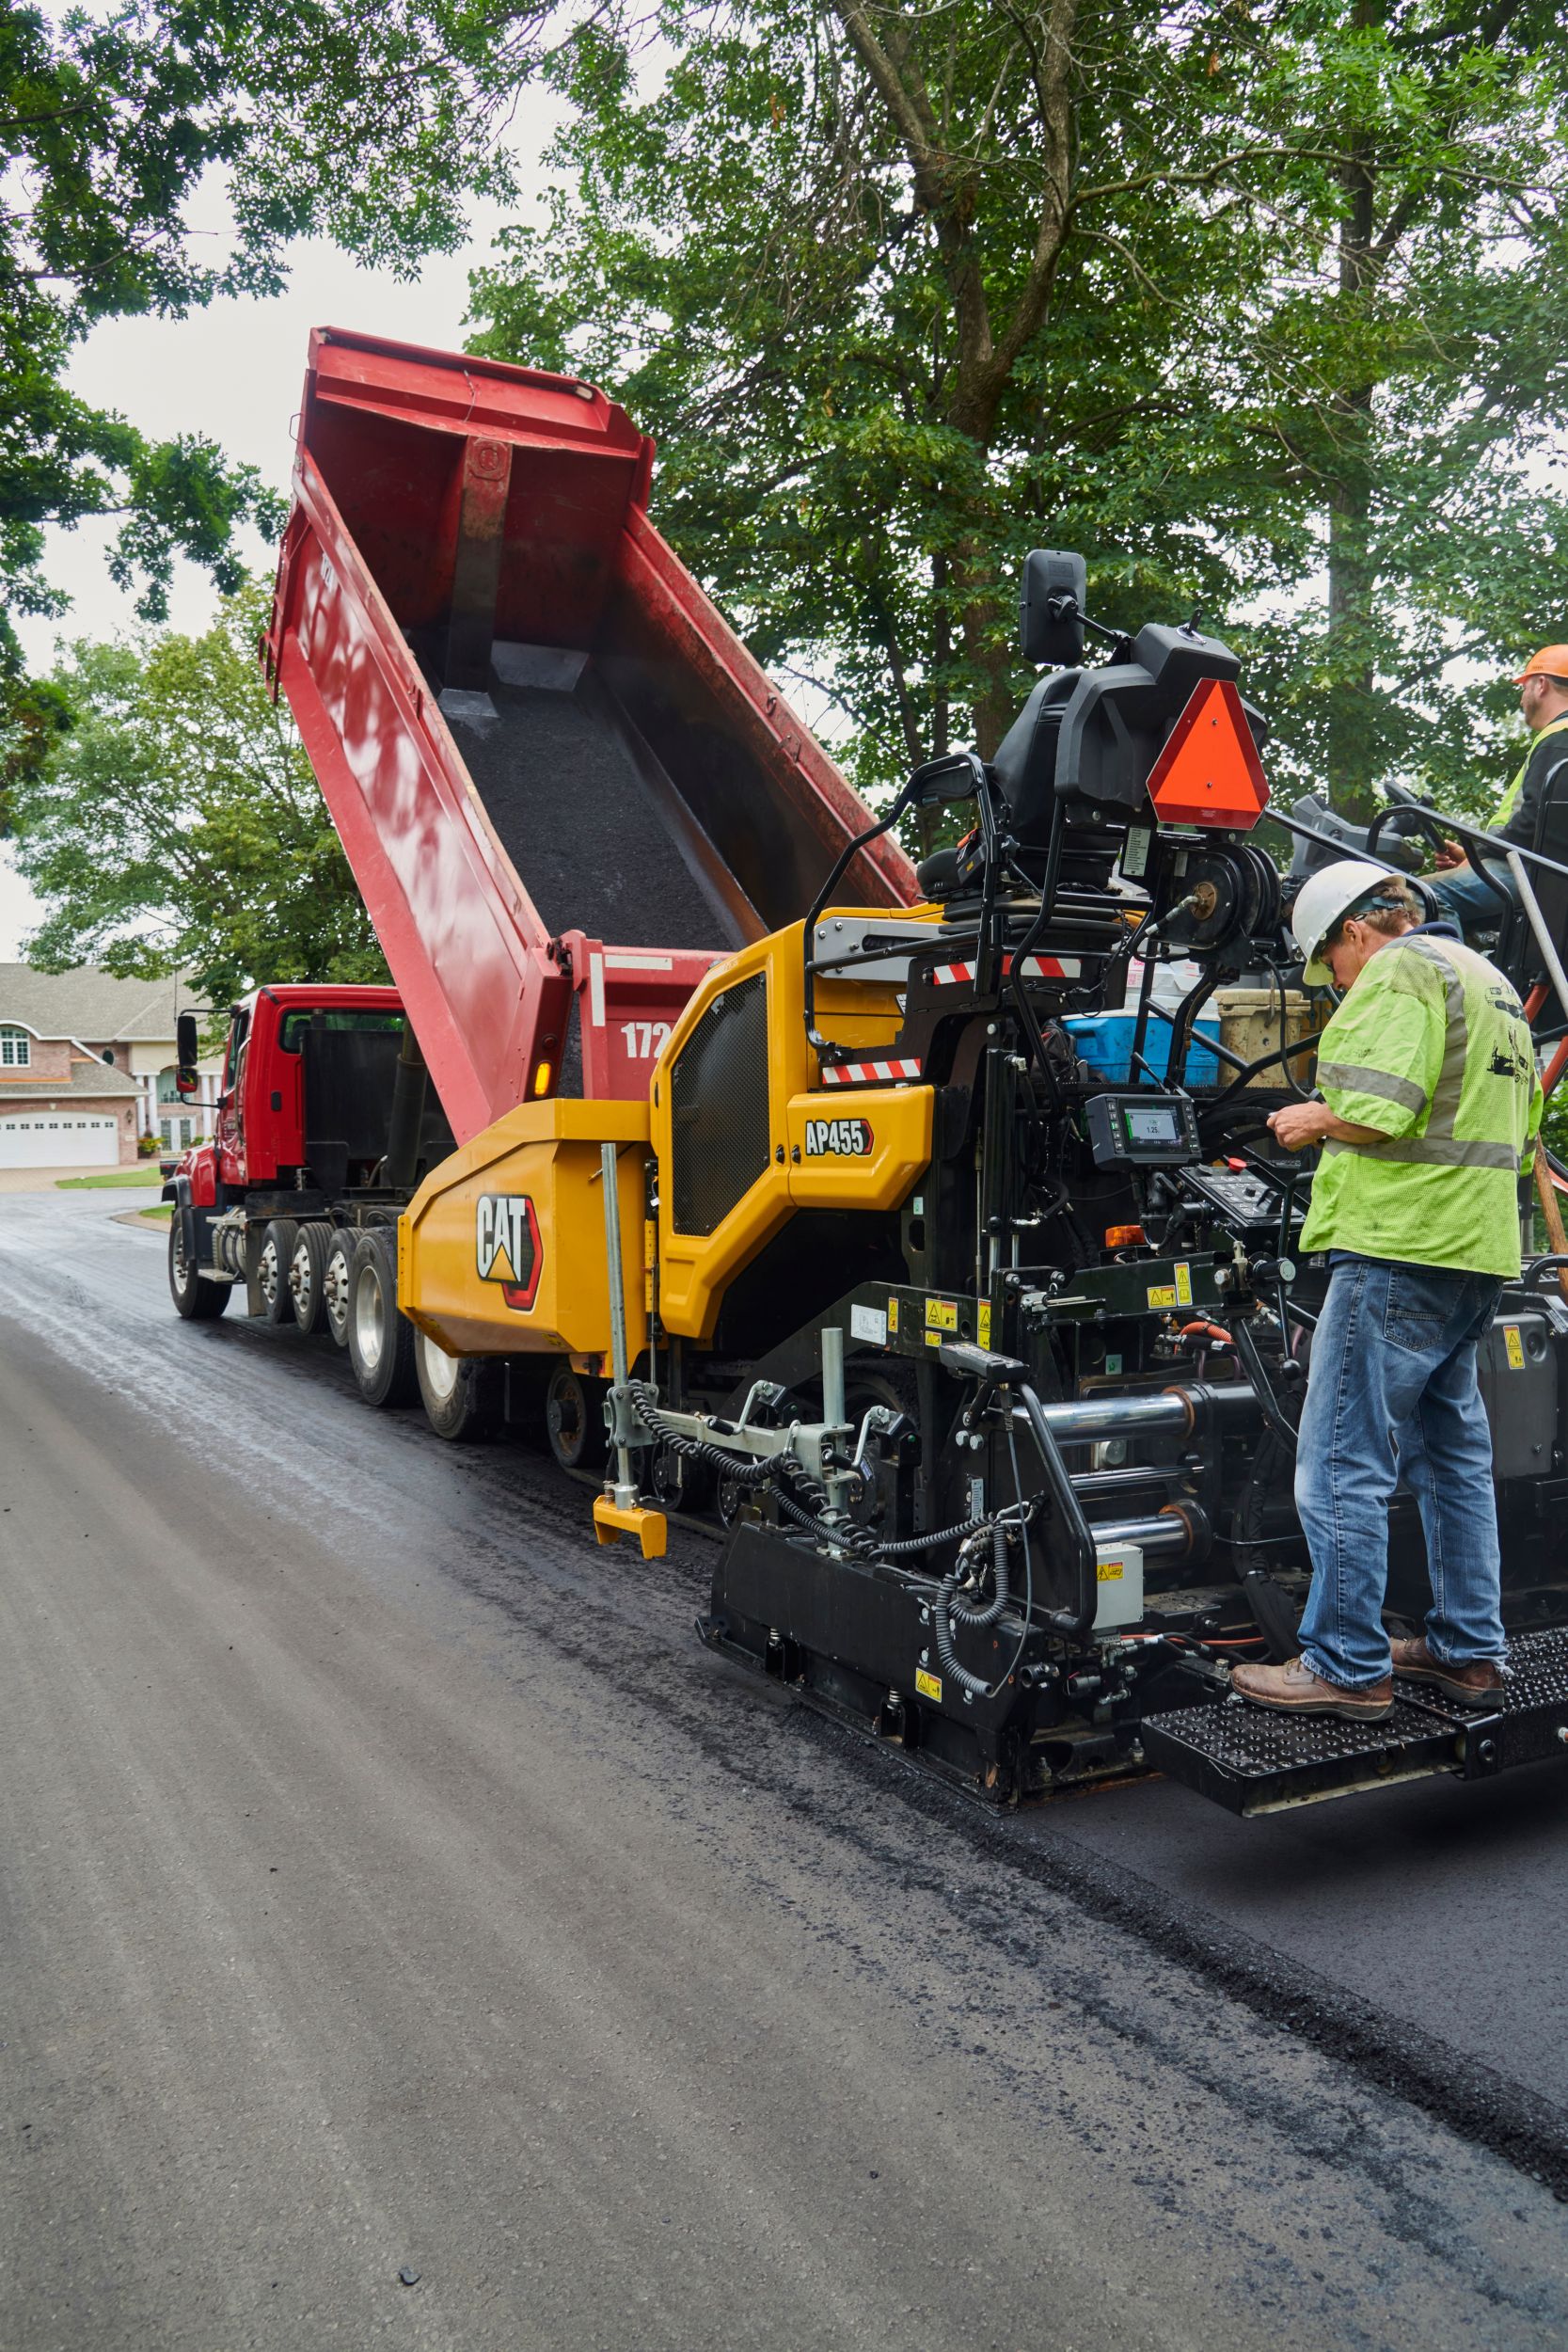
column 542, row 1077
column 1123, row 1236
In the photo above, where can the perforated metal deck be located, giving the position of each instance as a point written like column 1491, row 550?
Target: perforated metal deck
column 1253, row 1761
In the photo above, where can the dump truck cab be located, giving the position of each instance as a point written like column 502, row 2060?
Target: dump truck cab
column 260, row 1126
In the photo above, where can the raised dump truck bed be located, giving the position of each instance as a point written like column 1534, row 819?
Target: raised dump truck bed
column 535, row 734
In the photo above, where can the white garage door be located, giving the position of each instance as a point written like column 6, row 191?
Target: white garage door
column 59, row 1139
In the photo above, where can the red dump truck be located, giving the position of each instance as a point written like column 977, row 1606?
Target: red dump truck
column 566, row 791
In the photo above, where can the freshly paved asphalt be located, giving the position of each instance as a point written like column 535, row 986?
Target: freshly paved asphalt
column 389, row 1882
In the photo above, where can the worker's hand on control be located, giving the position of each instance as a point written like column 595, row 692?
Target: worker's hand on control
column 1448, row 856
column 1299, row 1125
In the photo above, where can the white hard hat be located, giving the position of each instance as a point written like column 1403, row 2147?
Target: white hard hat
column 1325, row 899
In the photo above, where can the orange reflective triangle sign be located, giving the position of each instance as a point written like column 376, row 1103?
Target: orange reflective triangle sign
column 1208, row 773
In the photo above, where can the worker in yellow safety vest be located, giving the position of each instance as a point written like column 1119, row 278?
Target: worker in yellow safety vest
column 1430, row 1100
column 1543, row 777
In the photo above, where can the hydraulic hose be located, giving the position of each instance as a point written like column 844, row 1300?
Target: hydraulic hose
column 951, row 1610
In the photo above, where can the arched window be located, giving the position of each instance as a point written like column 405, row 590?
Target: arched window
column 16, row 1049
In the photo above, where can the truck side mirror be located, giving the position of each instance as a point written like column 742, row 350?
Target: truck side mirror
column 1052, row 596
column 187, row 1050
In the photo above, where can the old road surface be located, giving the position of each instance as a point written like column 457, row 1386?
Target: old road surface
column 391, row 1884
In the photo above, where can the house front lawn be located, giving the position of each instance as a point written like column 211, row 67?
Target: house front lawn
column 111, row 1178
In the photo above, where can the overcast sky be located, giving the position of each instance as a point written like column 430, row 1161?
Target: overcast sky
column 234, row 373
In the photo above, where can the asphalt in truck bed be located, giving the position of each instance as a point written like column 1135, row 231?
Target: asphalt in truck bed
column 390, row 1883
column 595, row 849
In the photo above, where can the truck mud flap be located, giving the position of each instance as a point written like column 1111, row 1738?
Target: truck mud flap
column 1252, row 1761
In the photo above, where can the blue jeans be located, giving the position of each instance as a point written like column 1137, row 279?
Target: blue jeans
column 1469, row 901
column 1392, row 1395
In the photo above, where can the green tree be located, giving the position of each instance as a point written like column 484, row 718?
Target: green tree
column 903, row 291
column 1411, row 356
column 865, row 272
column 176, row 826
column 371, row 123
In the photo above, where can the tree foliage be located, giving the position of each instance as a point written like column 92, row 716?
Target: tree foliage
column 175, row 823
column 1260, row 305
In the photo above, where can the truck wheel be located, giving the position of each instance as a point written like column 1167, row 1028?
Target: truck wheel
column 199, row 1301
column 574, row 1418
column 306, row 1268
column 462, row 1394
column 380, row 1341
column 337, row 1283
column 271, row 1272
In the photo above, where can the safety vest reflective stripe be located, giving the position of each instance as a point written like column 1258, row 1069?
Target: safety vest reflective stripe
column 1450, row 1078
column 1432, row 1150
column 1510, row 801
column 1357, row 1078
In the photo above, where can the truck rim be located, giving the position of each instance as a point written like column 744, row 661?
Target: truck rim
column 369, row 1320
column 335, row 1291
column 442, row 1371
column 299, row 1277
column 268, row 1273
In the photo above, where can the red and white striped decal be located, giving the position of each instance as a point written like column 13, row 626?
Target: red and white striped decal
column 1036, row 968
column 868, row 1074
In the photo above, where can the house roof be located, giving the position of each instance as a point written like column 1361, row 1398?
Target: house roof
column 86, row 1077
column 93, row 1007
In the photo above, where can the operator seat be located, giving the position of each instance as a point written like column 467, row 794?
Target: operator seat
column 1025, row 769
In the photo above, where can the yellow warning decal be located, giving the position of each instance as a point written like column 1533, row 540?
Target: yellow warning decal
column 1161, row 1294
column 928, row 1686
column 982, row 1322
column 941, row 1314
column 1110, row 1572
column 893, row 1314
column 1516, row 1347
column 933, row 1339
column 1183, row 1284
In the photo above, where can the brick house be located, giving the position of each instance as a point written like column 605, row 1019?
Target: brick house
column 87, row 1067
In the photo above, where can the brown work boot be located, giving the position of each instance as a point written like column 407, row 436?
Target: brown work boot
column 1295, row 1689
column 1480, row 1684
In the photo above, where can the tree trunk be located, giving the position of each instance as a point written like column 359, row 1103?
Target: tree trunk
column 1352, row 746
column 986, row 649
column 945, row 182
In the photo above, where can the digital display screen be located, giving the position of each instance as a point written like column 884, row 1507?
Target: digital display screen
column 1156, row 1122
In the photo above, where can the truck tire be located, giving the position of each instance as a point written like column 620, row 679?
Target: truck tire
column 380, row 1341
column 337, row 1283
column 197, row 1300
column 272, row 1271
column 462, row 1394
column 306, row 1268
column 574, row 1419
